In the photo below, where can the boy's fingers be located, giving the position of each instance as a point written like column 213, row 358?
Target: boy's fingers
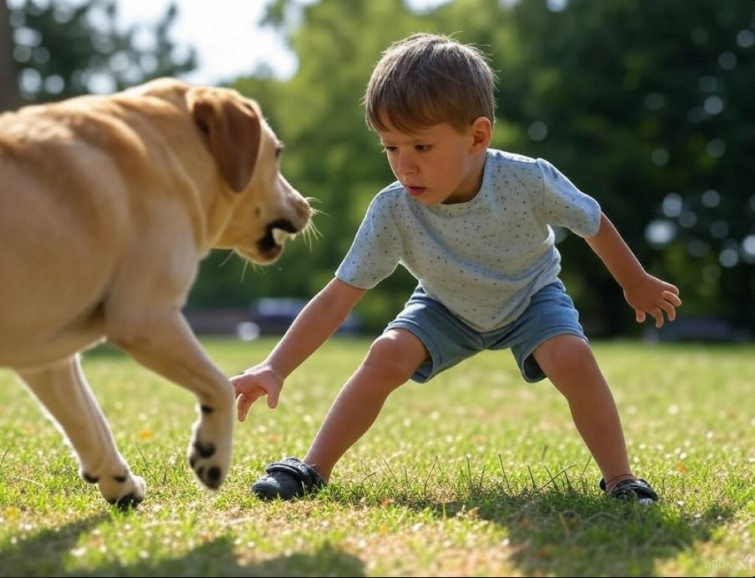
column 245, row 400
column 672, row 298
column 669, row 309
column 249, row 389
column 272, row 399
column 243, row 403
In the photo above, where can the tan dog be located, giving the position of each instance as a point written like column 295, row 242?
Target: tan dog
column 107, row 205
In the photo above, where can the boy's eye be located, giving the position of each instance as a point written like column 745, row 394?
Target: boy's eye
column 420, row 148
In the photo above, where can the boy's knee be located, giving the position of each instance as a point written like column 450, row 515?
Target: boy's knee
column 393, row 358
column 565, row 355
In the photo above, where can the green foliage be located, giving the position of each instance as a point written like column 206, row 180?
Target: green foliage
column 474, row 474
column 643, row 102
column 64, row 50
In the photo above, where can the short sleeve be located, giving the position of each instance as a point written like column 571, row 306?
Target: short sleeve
column 564, row 205
column 376, row 249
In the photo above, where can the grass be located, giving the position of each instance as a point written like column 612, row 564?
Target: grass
column 475, row 474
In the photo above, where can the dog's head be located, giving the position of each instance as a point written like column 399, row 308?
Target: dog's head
column 266, row 209
column 247, row 153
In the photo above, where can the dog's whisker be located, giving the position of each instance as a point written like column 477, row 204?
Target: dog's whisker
column 309, row 237
column 256, row 267
column 228, row 258
column 311, row 233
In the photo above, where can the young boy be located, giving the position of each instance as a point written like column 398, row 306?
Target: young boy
column 473, row 225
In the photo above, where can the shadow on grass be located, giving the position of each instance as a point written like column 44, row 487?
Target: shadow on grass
column 556, row 531
column 51, row 551
column 550, row 532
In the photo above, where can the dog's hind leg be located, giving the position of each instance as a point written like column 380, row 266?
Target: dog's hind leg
column 63, row 391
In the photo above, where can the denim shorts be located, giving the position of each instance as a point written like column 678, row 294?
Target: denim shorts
column 449, row 340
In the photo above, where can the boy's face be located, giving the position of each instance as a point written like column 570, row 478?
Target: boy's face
column 438, row 164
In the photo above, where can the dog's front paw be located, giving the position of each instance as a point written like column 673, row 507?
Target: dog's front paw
column 210, row 446
column 125, row 490
column 133, row 498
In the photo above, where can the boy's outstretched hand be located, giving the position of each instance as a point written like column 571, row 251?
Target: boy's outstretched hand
column 654, row 297
column 253, row 384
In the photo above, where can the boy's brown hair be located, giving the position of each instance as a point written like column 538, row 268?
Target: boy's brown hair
column 429, row 79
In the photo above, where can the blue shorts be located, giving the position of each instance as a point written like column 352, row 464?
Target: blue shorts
column 449, row 340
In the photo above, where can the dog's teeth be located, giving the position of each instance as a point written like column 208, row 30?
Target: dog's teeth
column 280, row 236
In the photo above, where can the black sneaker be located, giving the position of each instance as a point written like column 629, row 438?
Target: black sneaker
column 637, row 490
column 288, row 479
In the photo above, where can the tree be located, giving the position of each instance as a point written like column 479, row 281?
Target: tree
column 648, row 106
column 62, row 50
column 9, row 98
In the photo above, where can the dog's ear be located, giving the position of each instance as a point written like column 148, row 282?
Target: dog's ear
column 232, row 130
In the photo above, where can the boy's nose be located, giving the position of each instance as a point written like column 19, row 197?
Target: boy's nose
column 405, row 165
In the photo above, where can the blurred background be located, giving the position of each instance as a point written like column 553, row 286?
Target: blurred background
column 647, row 105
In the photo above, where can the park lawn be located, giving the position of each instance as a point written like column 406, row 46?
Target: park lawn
column 476, row 473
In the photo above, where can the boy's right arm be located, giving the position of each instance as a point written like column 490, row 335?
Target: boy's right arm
column 319, row 319
column 646, row 294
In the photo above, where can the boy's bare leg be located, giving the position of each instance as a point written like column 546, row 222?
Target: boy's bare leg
column 392, row 359
column 569, row 363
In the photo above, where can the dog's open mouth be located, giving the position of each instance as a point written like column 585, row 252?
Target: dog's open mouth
column 276, row 234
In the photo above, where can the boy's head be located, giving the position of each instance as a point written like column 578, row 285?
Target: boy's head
column 429, row 79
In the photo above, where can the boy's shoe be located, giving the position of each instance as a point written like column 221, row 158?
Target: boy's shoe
column 288, row 479
column 636, row 490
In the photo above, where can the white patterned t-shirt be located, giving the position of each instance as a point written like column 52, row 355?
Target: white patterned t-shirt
column 482, row 259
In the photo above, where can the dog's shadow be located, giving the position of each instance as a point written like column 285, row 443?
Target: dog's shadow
column 52, row 547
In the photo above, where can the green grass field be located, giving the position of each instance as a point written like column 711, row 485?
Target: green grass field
column 475, row 474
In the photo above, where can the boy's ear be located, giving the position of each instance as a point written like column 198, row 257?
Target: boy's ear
column 482, row 133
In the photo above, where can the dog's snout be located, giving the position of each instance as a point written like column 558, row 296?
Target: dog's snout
column 303, row 208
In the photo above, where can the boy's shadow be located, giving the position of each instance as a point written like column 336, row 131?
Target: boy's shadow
column 562, row 532
column 216, row 558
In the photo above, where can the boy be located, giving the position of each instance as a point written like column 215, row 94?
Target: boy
column 473, row 225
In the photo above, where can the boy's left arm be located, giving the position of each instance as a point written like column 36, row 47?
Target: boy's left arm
column 646, row 294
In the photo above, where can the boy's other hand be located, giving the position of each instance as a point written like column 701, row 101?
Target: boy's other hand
column 254, row 383
column 654, row 297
